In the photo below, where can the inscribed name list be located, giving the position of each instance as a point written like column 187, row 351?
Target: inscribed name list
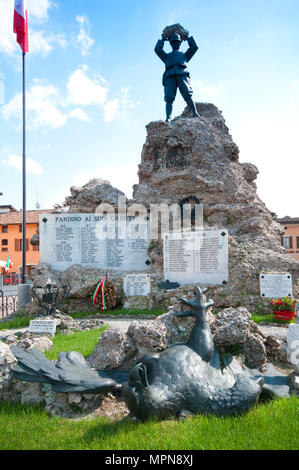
column 93, row 240
column 196, row 257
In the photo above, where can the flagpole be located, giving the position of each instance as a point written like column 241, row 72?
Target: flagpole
column 24, row 179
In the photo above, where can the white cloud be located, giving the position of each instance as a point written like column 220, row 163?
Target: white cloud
column 16, row 162
column 82, row 19
column 83, row 39
column 84, row 91
column 42, row 107
column 271, row 143
column 110, row 109
column 7, row 37
column 118, row 106
column 121, row 177
column 38, row 9
column 205, row 92
column 79, row 114
column 46, row 105
column 39, row 42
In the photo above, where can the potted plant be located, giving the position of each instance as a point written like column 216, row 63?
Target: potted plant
column 284, row 309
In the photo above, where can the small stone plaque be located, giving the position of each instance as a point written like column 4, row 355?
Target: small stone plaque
column 42, row 327
column 137, row 284
column 275, row 285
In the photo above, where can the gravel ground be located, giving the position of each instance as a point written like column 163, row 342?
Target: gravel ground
column 277, row 331
column 123, row 324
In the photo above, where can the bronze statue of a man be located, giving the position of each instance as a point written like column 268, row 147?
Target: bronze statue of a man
column 176, row 75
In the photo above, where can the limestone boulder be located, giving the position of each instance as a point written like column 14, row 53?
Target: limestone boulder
column 147, row 337
column 114, row 350
column 88, row 197
column 7, row 362
column 231, row 326
column 42, row 272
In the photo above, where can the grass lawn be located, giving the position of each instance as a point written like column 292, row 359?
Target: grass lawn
column 269, row 426
column 269, row 318
column 272, row 425
column 19, row 322
column 80, row 341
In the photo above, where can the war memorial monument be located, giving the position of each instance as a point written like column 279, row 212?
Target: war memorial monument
column 195, row 225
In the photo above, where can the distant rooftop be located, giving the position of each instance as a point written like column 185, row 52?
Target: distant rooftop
column 16, row 217
column 288, row 220
column 4, row 209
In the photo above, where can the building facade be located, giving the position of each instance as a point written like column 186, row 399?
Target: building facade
column 11, row 237
column 290, row 238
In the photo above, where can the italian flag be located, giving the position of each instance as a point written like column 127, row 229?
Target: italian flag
column 20, row 24
column 9, row 264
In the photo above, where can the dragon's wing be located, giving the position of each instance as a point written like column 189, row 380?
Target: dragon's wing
column 71, row 373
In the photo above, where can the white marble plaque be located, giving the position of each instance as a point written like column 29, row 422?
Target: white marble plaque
column 273, row 285
column 93, row 240
column 201, row 256
column 42, row 326
column 137, row 284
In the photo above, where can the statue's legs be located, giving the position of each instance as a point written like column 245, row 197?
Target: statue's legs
column 170, row 88
column 169, row 107
column 192, row 107
column 184, row 85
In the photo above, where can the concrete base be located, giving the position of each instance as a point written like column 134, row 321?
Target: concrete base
column 24, row 294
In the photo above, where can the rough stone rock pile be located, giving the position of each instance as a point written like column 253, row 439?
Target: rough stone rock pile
column 88, row 197
column 65, row 323
column 198, row 158
column 16, row 390
column 69, row 405
column 192, row 158
column 121, row 349
column 83, row 281
column 230, row 328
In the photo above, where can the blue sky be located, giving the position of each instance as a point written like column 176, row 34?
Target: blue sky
column 94, row 82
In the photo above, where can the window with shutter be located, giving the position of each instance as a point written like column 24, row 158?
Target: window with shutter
column 287, row 242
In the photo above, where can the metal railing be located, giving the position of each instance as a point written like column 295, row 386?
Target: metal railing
column 8, row 304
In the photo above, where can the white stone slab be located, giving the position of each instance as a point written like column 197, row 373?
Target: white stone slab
column 293, row 345
column 137, row 284
column 275, row 285
column 42, row 326
column 93, row 240
column 201, row 256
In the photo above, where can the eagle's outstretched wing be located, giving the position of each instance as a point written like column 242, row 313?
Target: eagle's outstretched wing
column 71, row 373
